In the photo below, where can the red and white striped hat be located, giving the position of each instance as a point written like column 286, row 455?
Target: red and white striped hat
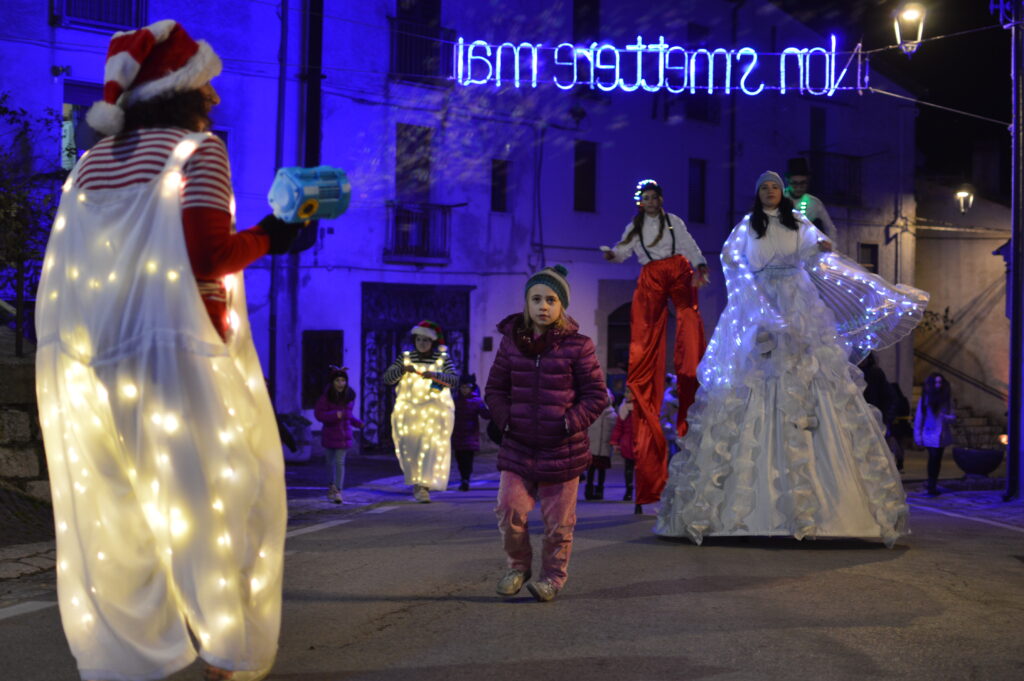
column 143, row 64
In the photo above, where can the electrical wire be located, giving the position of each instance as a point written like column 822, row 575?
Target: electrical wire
column 938, row 106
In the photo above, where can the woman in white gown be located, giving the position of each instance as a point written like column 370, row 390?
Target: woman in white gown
column 781, row 441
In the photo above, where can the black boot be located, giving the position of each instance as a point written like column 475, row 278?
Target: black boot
column 638, row 510
column 628, row 496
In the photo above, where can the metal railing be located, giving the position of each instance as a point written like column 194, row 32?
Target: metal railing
column 100, row 14
column 966, row 378
column 421, row 53
column 418, row 233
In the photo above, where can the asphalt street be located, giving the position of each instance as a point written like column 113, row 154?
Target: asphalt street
column 383, row 589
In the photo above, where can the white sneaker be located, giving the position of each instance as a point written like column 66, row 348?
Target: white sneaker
column 421, row 494
column 543, row 590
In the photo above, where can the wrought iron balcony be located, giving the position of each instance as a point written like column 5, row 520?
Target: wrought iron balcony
column 421, row 53
column 418, row 233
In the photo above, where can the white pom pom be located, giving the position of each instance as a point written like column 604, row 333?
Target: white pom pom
column 105, row 118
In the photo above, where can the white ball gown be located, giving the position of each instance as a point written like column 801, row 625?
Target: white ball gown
column 780, row 440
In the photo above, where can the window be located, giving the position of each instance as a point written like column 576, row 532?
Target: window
column 499, row 185
column 417, row 230
column 697, row 190
column 584, row 195
column 320, row 349
column 421, row 49
column 700, row 106
column 103, row 15
column 867, row 257
column 586, row 21
column 76, row 136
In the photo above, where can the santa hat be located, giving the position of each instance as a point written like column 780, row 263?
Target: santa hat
column 431, row 330
column 152, row 61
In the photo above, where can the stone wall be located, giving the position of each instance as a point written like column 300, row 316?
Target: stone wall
column 22, row 461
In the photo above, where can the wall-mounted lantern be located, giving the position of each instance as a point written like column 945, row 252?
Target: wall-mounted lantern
column 908, row 22
column 965, row 197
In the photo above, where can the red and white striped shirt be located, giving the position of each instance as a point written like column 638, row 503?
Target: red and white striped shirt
column 139, row 156
column 214, row 249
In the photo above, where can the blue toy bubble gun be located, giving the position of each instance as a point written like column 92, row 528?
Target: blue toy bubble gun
column 301, row 194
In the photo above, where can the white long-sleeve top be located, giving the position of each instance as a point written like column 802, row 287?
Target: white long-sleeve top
column 781, row 246
column 812, row 207
column 684, row 243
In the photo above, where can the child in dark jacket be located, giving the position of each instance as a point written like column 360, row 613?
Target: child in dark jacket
column 622, row 441
column 334, row 410
column 469, row 409
column 544, row 390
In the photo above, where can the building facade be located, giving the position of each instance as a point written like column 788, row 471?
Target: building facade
column 462, row 186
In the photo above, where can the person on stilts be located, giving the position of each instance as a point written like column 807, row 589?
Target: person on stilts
column 673, row 269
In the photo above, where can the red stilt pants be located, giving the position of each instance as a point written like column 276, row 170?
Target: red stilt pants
column 659, row 282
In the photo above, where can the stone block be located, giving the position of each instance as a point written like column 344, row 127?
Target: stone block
column 15, row 426
column 19, row 462
column 39, row 489
column 19, row 384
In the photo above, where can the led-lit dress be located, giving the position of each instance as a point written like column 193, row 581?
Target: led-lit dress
column 423, row 419
column 164, row 458
column 781, row 441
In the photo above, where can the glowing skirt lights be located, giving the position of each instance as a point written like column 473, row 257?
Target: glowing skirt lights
column 164, row 458
column 421, row 426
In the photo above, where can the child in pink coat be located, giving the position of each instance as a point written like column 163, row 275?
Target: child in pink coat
column 334, row 410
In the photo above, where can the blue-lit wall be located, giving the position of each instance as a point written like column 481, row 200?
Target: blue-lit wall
column 533, row 129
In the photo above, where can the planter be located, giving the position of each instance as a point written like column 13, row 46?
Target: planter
column 977, row 461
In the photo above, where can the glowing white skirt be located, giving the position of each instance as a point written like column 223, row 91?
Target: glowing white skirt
column 164, row 457
column 421, row 426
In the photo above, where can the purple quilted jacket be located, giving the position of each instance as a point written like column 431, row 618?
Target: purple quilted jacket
column 544, row 394
column 468, row 412
column 338, row 421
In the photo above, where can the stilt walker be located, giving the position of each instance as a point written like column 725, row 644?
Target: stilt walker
column 673, row 270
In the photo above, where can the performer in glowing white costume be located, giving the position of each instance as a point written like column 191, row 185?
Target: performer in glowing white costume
column 164, row 457
column 424, row 414
column 781, row 441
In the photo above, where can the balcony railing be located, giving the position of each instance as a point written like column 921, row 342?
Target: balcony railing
column 837, row 177
column 421, row 53
column 418, row 233
column 100, row 15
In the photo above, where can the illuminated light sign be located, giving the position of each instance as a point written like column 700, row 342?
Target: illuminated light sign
column 656, row 66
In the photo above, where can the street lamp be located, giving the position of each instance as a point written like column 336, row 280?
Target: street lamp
column 965, row 198
column 908, row 20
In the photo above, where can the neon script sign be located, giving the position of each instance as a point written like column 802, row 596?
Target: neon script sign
column 654, row 66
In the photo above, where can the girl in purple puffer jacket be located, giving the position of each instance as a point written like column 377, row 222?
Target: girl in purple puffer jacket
column 334, row 410
column 469, row 409
column 544, row 390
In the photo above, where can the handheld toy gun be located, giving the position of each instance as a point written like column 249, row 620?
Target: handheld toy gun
column 301, row 194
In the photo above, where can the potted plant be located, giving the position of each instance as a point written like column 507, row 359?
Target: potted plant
column 978, row 453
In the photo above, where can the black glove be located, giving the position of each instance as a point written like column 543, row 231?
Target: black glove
column 281, row 233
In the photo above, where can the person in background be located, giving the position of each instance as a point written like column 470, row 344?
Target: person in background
column 334, row 410
column 798, row 176
column 424, row 413
column 933, row 425
column 469, row 409
column 622, row 441
column 544, row 390
column 599, row 434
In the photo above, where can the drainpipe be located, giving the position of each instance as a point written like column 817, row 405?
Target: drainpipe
column 282, row 83
column 731, row 200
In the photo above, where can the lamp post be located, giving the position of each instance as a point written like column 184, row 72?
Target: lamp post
column 908, row 20
column 1016, row 407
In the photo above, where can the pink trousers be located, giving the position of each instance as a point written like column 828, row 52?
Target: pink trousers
column 516, row 498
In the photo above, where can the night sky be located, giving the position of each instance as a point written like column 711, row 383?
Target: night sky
column 969, row 72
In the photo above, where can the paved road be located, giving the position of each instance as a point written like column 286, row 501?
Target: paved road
column 396, row 591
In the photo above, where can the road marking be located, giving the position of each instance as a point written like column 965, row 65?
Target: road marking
column 25, row 608
column 381, row 509
column 966, row 517
column 317, row 527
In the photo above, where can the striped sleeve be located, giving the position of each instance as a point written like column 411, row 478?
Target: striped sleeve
column 394, row 373
column 208, row 177
column 449, row 376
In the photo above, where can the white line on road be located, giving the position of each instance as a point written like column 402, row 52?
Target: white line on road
column 317, row 527
column 381, row 509
column 966, row 517
column 25, row 608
